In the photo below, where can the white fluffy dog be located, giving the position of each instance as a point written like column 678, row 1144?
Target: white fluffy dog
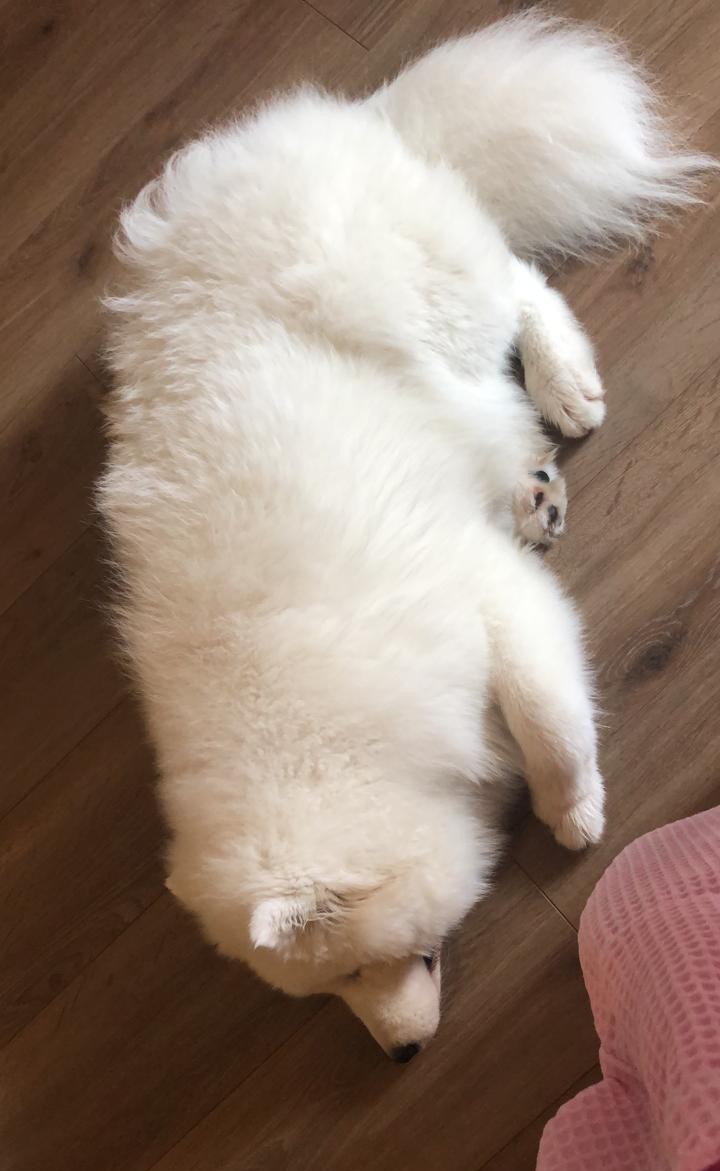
column 324, row 487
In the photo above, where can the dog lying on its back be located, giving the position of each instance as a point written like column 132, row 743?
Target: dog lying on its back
column 322, row 485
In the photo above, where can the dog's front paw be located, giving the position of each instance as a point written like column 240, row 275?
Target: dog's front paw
column 575, row 401
column 564, row 384
column 540, row 507
column 582, row 825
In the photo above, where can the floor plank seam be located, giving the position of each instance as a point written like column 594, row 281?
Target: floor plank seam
column 651, row 423
column 51, row 565
column 246, row 1077
column 151, row 1056
column 339, row 27
column 61, row 759
column 40, row 394
column 539, row 1115
column 546, row 896
column 79, row 976
column 93, row 374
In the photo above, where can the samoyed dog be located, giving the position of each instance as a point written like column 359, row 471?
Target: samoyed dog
column 325, row 492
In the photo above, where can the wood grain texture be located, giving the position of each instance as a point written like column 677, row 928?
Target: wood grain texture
column 520, row 1154
column 643, row 558
column 80, row 859
column 136, row 1050
column 407, row 26
column 60, row 678
column 125, row 1043
column 103, row 99
column 514, row 1001
column 50, row 455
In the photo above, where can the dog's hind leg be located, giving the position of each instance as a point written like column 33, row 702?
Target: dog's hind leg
column 560, row 373
column 542, row 684
column 540, row 505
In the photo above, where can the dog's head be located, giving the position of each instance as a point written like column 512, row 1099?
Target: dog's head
column 363, row 925
column 327, row 942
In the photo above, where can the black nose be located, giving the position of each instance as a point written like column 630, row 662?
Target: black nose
column 404, row 1053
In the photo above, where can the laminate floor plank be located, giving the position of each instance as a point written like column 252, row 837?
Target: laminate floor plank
column 60, row 678
column 125, row 1043
column 136, row 1050
column 80, row 859
column 51, row 451
column 520, row 1154
column 406, row 26
column 138, row 94
column 642, row 559
column 517, row 1029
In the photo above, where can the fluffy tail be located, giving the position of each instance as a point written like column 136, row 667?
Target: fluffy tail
column 557, row 132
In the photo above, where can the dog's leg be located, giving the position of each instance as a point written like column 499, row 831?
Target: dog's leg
column 541, row 682
column 560, row 373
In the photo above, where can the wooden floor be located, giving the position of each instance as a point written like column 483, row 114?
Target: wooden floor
column 127, row 1044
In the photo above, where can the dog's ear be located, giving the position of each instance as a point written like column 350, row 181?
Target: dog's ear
column 274, row 921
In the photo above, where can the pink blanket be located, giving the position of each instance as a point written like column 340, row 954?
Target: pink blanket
column 650, row 953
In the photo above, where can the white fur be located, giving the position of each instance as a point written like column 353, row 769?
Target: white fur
column 315, row 446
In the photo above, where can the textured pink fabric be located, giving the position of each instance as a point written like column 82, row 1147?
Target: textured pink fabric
column 650, row 952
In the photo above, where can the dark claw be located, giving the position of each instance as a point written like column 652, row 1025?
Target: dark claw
column 542, row 476
column 553, row 514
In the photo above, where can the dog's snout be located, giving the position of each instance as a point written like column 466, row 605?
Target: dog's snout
column 405, row 1053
